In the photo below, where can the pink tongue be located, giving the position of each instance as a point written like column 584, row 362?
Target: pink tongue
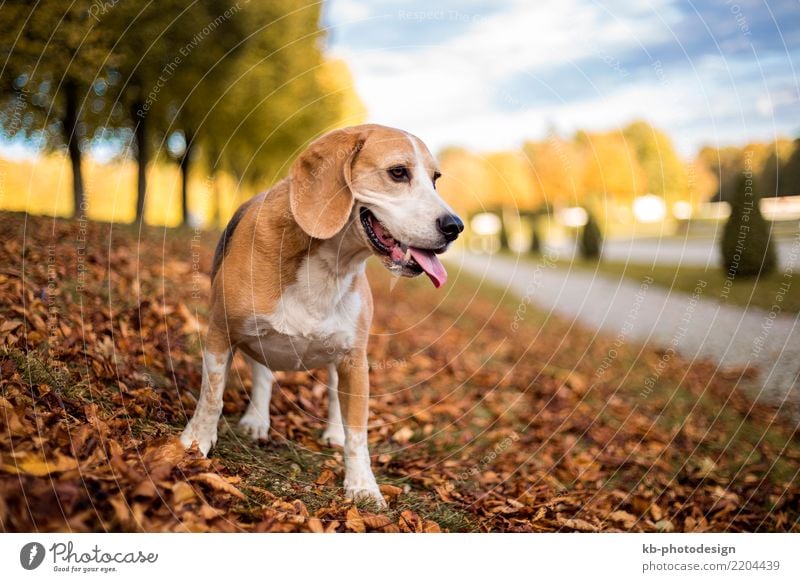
column 431, row 264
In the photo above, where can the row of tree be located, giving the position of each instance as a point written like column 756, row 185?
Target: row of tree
column 599, row 170
column 237, row 86
column 774, row 168
column 586, row 169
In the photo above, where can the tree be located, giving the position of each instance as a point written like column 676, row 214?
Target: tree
column 466, row 182
column 790, row 172
column 747, row 248
column 536, row 241
column 664, row 171
column 557, row 170
column 163, row 51
column 611, row 169
column 208, row 59
column 771, row 180
column 55, row 71
column 276, row 100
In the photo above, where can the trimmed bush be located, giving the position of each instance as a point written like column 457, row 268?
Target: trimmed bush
column 591, row 239
column 747, row 248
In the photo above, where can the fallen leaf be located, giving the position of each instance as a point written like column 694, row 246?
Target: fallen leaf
column 577, row 524
column 390, row 491
column 377, row 521
column 324, row 477
column 626, row 519
column 315, row 525
column 215, row 481
column 36, row 465
column 354, row 521
column 182, row 492
column 402, row 436
column 665, row 525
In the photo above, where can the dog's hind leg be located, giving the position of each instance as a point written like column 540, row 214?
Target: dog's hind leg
column 334, row 432
column 202, row 429
column 255, row 422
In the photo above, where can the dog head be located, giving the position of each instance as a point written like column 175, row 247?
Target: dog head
column 384, row 180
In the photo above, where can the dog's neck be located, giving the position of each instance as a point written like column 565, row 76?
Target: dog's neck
column 345, row 253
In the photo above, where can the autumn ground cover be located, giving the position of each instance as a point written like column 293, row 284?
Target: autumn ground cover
column 486, row 415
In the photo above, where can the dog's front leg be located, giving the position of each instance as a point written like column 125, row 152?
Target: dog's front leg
column 359, row 482
column 202, row 429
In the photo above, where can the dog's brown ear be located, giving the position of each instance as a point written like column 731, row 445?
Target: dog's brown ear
column 319, row 187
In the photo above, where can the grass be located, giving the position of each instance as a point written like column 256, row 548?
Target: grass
column 286, row 469
column 775, row 292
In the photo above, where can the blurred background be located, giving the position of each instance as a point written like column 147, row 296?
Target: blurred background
column 589, row 130
column 573, row 127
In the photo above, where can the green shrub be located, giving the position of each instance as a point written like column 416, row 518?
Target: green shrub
column 591, row 239
column 747, row 248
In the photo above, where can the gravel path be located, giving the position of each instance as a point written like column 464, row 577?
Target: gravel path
column 690, row 324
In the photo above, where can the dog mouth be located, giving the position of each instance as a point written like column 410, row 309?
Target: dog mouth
column 409, row 260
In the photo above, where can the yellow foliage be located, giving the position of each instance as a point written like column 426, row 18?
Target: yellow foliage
column 335, row 78
column 611, row 170
column 466, row 183
column 44, row 186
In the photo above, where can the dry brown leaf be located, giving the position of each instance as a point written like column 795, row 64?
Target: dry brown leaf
column 170, row 452
column 390, row 491
column 145, row 489
column 628, row 520
column 315, row 525
column 577, row 524
column 656, row 512
column 121, row 509
column 182, row 492
column 402, row 436
column 376, row 521
column 36, row 465
column 354, row 520
column 325, row 477
column 216, row 481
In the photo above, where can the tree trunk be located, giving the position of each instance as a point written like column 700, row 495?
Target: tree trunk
column 215, row 196
column 139, row 118
column 185, row 161
column 73, row 145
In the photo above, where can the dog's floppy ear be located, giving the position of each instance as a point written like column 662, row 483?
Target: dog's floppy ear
column 319, row 187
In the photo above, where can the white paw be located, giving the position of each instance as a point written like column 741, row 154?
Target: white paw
column 205, row 438
column 255, row 426
column 364, row 491
column 333, row 436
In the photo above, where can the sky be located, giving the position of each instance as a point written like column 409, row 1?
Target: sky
column 490, row 75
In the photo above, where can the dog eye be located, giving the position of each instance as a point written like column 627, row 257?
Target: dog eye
column 436, row 176
column 399, row 173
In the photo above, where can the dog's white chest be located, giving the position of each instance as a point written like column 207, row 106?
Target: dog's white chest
column 314, row 323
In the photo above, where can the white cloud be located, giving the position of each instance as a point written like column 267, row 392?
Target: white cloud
column 452, row 87
column 348, row 10
column 449, row 93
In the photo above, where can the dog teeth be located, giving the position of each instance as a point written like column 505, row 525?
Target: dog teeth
column 407, row 256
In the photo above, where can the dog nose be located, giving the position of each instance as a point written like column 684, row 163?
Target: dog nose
column 450, row 226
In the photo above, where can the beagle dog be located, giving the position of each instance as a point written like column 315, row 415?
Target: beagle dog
column 289, row 288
